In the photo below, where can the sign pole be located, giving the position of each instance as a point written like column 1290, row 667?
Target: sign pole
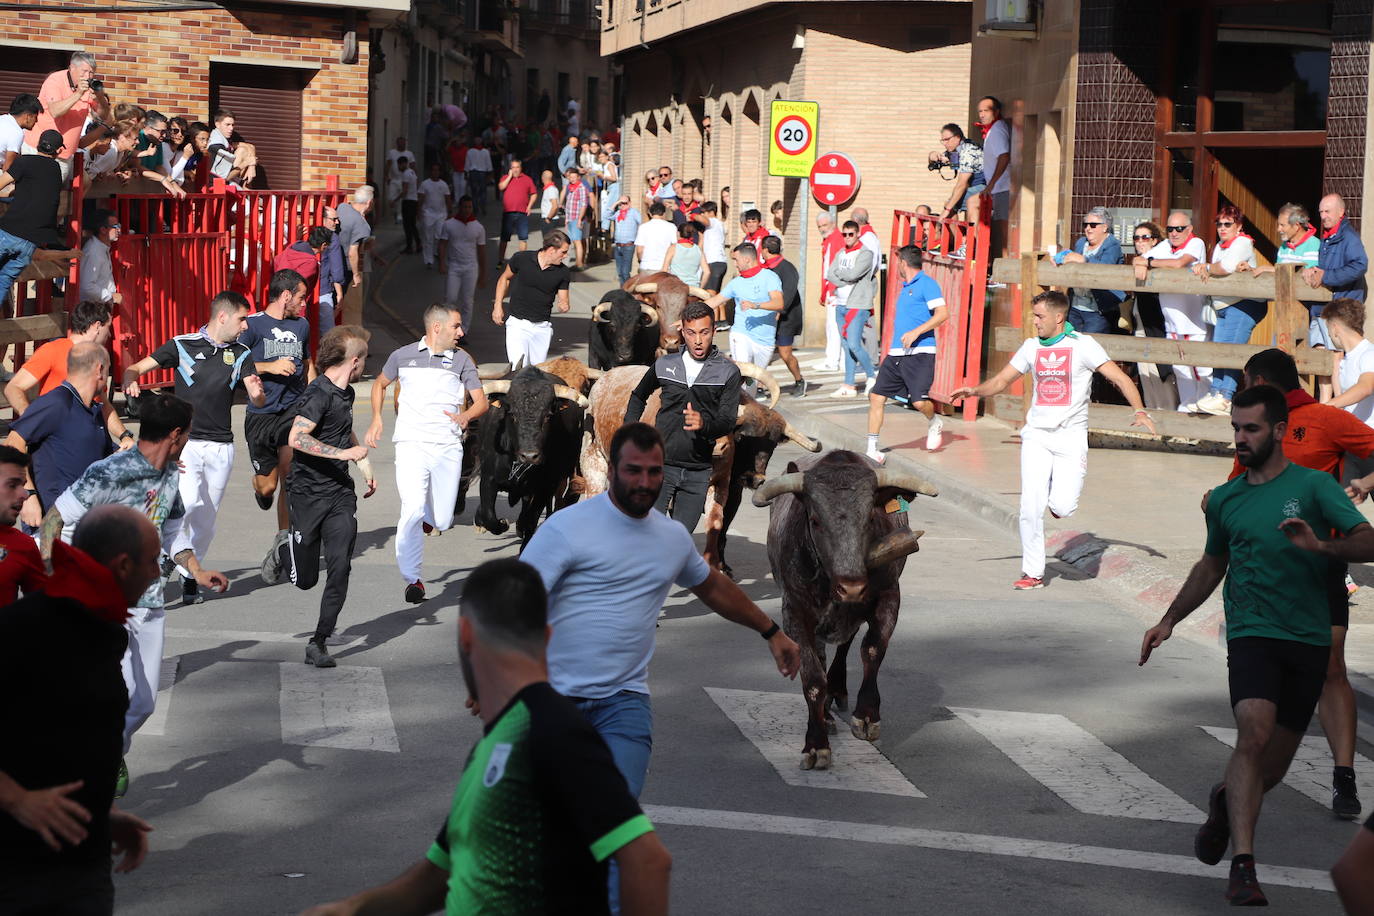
column 805, row 240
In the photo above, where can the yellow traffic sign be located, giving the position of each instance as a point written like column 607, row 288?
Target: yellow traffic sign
column 792, row 138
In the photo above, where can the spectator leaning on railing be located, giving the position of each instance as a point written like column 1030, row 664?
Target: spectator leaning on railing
column 1236, row 317
column 1341, row 264
column 1183, row 318
column 67, row 97
column 1094, row 311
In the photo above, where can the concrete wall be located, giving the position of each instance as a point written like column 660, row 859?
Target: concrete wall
column 162, row 60
column 551, row 50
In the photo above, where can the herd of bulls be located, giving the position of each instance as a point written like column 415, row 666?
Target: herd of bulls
column 837, row 538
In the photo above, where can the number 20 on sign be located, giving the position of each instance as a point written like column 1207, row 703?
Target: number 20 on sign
column 792, row 138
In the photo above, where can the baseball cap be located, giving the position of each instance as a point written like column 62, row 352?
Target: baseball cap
column 50, row 142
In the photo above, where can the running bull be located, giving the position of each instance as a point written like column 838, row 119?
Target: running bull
column 528, row 441
column 668, row 296
column 624, row 331
column 837, row 553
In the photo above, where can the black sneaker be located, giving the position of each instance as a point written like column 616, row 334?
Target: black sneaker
column 190, row 593
column 1345, row 800
column 264, row 502
column 316, row 654
column 1212, row 838
column 415, row 592
column 1243, row 888
column 798, row 389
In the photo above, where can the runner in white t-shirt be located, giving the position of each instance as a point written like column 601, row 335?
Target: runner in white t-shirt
column 1183, row 313
column 1345, row 322
column 1054, row 441
column 462, row 257
column 434, row 194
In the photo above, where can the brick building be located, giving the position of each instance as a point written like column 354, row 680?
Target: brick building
column 279, row 66
column 886, row 75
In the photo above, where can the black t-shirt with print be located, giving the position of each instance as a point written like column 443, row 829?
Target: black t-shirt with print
column 206, row 375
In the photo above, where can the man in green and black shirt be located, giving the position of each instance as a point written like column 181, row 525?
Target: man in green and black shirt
column 540, row 807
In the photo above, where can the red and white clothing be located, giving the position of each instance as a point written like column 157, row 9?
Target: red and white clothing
column 868, row 237
column 463, row 238
column 20, row 565
column 756, row 238
column 1054, row 441
column 831, row 246
column 1184, row 320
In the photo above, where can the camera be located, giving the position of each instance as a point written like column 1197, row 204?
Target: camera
column 95, row 85
column 934, row 165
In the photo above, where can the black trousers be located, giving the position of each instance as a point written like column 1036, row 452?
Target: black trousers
column 683, row 496
column 69, row 889
column 410, row 209
column 326, row 525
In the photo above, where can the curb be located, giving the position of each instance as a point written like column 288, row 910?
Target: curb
column 1148, row 587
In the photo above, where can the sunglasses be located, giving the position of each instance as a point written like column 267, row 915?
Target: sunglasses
column 1225, row 223
column 849, row 235
column 1176, row 229
column 665, row 174
column 1091, row 225
column 1144, row 238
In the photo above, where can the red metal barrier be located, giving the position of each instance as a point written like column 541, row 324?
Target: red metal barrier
column 176, row 254
column 959, row 341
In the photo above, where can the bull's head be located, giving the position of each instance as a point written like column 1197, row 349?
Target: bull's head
column 840, row 494
column 758, row 432
column 531, row 397
column 668, row 296
column 622, row 316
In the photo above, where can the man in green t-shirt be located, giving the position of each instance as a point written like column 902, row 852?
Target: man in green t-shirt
column 540, row 807
column 1261, row 536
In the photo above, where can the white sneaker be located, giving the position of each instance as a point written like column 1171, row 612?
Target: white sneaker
column 868, row 385
column 844, row 391
column 1214, row 404
column 1189, row 408
column 876, row 455
column 935, row 433
column 828, row 367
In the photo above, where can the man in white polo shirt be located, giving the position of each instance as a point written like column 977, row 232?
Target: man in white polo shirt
column 1054, row 441
column 436, row 378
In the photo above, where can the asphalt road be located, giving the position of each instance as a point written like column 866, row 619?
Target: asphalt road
column 1026, row 763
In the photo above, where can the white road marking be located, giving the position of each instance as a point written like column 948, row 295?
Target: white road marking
column 157, row 722
column 775, row 723
column 1076, row 766
column 256, row 636
column 1310, row 771
column 839, row 407
column 1304, row 878
column 344, row 707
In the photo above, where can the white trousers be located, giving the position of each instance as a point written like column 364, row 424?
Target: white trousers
column 1193, row 381
column 1053, row 462
column 460, row 185
column 142, row 666
column 430, row 224
column 427, row 481
column 745, row 349
column 528, row 340
column 203, row 479
column 459, row 288
column 833, row 342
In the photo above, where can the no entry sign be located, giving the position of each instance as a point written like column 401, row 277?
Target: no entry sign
column 834, row 179
column 792, row 141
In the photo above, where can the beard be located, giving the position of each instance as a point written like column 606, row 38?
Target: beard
column 469, row 678
column 1253, row 458
column 636, row 501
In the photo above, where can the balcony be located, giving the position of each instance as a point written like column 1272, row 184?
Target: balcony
column 577, row 18
column 495, row 26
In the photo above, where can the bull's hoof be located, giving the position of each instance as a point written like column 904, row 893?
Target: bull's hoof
column 494, row 527
column 816, row 760
column 865, row 729
column 727, row 572
column 840, row 701
column 831, row 727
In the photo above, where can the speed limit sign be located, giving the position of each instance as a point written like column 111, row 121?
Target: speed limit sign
column 791, row 143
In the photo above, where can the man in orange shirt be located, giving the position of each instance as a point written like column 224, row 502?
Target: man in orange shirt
column 67, row 98
column 1319, row 437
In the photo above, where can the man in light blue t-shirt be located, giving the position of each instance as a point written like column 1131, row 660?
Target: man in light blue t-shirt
column 605, row 595
column 757, row 292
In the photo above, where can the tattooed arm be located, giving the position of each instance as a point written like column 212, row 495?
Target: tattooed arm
column 302, row 441
column 209, row 578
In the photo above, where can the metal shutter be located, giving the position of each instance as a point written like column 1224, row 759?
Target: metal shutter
column 24, row 70
column 266, row 102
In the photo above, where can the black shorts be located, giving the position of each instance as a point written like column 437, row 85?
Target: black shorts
column 908, row 376
column 265, row 433
column 789, row 326
column 1337, row 598
column 1289, row 674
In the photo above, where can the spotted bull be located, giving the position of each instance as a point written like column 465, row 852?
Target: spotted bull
column 668, row 296
column 837, row 553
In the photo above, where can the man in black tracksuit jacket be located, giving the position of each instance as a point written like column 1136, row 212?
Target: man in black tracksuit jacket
column 699, row 403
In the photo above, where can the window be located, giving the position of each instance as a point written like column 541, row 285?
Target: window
column 1272, row 68
column 266, row 102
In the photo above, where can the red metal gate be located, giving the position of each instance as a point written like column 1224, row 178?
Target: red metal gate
column 955, row 256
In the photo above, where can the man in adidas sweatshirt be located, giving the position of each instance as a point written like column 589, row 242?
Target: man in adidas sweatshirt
column 700, row 391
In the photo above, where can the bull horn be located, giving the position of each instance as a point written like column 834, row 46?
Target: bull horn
column 648, row 311
column 569, row 394
column 897, row 480
column 487, row 374
column 646, row 288
column 696, row 292
column 496, row 386
column 801, row 438
column 760, row 374
column 772, row 489
column 599, row 310
column 894, row 546
column 595, row 374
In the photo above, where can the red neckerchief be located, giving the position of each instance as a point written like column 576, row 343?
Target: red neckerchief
column 466, row 219
column 773, row 261
column 1239, row 235
column 1327, row 233
column 76, row 575
column 621, row 214
column 855, row 247
column 653, row 188
column 751, row 271
column 757, row 235
column 986, row 128
column 1298, row 398
column 865, row 229
column 832, row 243
column 685, row 241
column 1311, row 231
column 1183, row 246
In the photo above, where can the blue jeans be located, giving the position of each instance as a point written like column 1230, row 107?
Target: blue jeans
column 1234, row 324
column 326, row 315
column 15, row 255
column 1089, row 322
column 608, row 198
column 855, row 354
column 624, row 260
column 625, row 721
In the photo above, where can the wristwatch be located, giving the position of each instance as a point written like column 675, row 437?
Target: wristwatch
column 125, row 435
column 1149, row 262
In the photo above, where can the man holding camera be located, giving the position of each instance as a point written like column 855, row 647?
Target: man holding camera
column 67, row 97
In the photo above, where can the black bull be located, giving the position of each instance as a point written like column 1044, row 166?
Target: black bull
column 624, row 332
column 529, row 441
column 837, row 553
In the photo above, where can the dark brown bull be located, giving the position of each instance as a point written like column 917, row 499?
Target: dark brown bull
column 837, row 553
column 757, row 434
column 668, row 295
